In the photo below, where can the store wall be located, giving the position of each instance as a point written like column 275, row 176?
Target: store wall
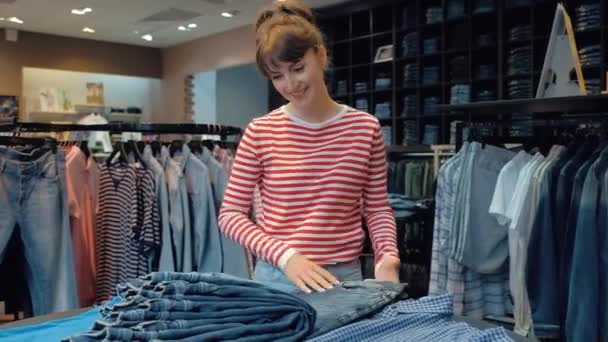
column 119, row 91
column 205, row 97
column 242, row 94
column 217, row 51
column 64, row 53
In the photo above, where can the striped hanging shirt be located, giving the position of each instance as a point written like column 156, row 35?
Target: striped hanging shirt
column 313, row 180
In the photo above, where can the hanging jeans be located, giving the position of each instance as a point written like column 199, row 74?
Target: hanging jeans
column 345, row 303
column 33, row 196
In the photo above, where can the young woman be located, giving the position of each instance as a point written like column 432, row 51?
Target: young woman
column 318, row 165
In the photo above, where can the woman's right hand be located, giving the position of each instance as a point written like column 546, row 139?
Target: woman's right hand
column 307, row 275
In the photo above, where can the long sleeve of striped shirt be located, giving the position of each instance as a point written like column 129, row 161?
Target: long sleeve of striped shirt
column 313, row 179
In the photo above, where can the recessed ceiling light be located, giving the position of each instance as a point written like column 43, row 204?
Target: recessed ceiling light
column 192, row 25
column 1, row 19
column 15, row 20
column 88, row 30
column 82, row 11
column 147, row 37
column 228, row 14
column 182, row 28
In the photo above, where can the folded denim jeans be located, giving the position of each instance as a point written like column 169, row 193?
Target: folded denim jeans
column 200, row 307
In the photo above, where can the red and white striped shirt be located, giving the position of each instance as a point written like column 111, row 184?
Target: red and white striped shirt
column 313, row 179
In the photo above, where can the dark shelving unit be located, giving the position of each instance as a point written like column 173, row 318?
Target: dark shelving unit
column 354, row 31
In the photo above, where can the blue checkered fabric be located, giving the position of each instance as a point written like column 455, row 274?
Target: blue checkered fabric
column 426, row 319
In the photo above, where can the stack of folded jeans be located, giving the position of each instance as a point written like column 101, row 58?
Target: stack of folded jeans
column 383, row 81
column 202, row 307
column 519, row 60
column 387, row 132
column 590, row 55
column 517, row 3
column 455, row 9
column 484, row 6
column 485, row 95
column 431, row 46
column 431, row 135
column 486, row 39
column 383, row 110
column 434, row 15
column 342, row 87
column 404, row 206
column 409, row 105
column 430, row 75
column 588, row 17
column 430, row 105
column 486, row 71
column 593, row 86
column 410, row 133
column 409, row 45
column 360, row 87
column 410, row 75
column 459, row 69
column 460, row 94
column 519, row 89
column 521, row 125
column 362, row 104
column 520, row 33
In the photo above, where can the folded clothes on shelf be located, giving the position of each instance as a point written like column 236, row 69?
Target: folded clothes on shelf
column 434, row 15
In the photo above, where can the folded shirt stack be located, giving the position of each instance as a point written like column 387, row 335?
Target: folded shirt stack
column 430, row 75
column 409, row 106
column 485, row 95
column 410, row 75
column 590, row 55
column 431, row 135
column 460, row 94
column 484, row 6
column 519, row 89
column 519, row 60
column 430, row 105
column 409, row 45
column 410, row 133
column 360, row 87
column 387, row 132
column 383, row 110
column 588, row 17
column 362, row 104
column 594, row 86
column 520, row 33
column 382, row 81
column 434, row 15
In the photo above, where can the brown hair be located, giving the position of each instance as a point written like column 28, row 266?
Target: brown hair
column 285, row 32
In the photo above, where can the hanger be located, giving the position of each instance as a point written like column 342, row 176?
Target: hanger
column 196, row 146
column 156, row 147
column 176, row 146
column 84, row 147
column 119, row 150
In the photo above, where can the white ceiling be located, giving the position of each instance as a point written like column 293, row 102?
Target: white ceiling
column 121, row 21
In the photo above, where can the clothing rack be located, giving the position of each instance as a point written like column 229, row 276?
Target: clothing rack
column 118, row 127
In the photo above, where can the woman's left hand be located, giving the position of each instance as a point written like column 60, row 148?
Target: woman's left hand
column 388, row 269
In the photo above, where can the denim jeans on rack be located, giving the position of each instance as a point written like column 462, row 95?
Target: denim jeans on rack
column 33, row 196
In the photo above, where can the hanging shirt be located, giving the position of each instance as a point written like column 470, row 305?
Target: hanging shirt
column 82, row 176
column 312, row 179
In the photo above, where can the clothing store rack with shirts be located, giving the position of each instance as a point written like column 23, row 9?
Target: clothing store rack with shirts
column 154, row 204
column 520, row 234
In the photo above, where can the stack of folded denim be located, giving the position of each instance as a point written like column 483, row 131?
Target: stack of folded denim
column 383, row 110
column 486, row 71
column 410, row 133
column 460, row 94
column 383, row 81
column 434, row 15
column 519, row 60
column 486, row 39
column 590, row 55
column 360, row 87
column 342, row 87
column 459, row 69
column 387, row 132
column 204, row 307
column 520, row 33
column 521, row 125
column 431, row 46
column 484, row 6
column 409, row 106
column 405, row 206
column 409, row 45
column 594, row 87
column 430, row 75
column 519, row 89
column 430, row 105
column 410, row 75
column 485, row 95
column 588, row 17
column 455, row 9
column 517, row 3
column 362, row 104
column 431, row 135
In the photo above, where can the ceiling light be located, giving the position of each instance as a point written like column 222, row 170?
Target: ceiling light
column 228, row 14
column 1, row 19
column 182, row 28
column 82, row 11
column 15, row 20
column 192, row 25
column 88, row 30
column 147, row 37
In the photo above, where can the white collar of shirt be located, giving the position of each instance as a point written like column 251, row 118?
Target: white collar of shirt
column 297, row 119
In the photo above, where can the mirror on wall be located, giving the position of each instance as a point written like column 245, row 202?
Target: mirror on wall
column 230, row 96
